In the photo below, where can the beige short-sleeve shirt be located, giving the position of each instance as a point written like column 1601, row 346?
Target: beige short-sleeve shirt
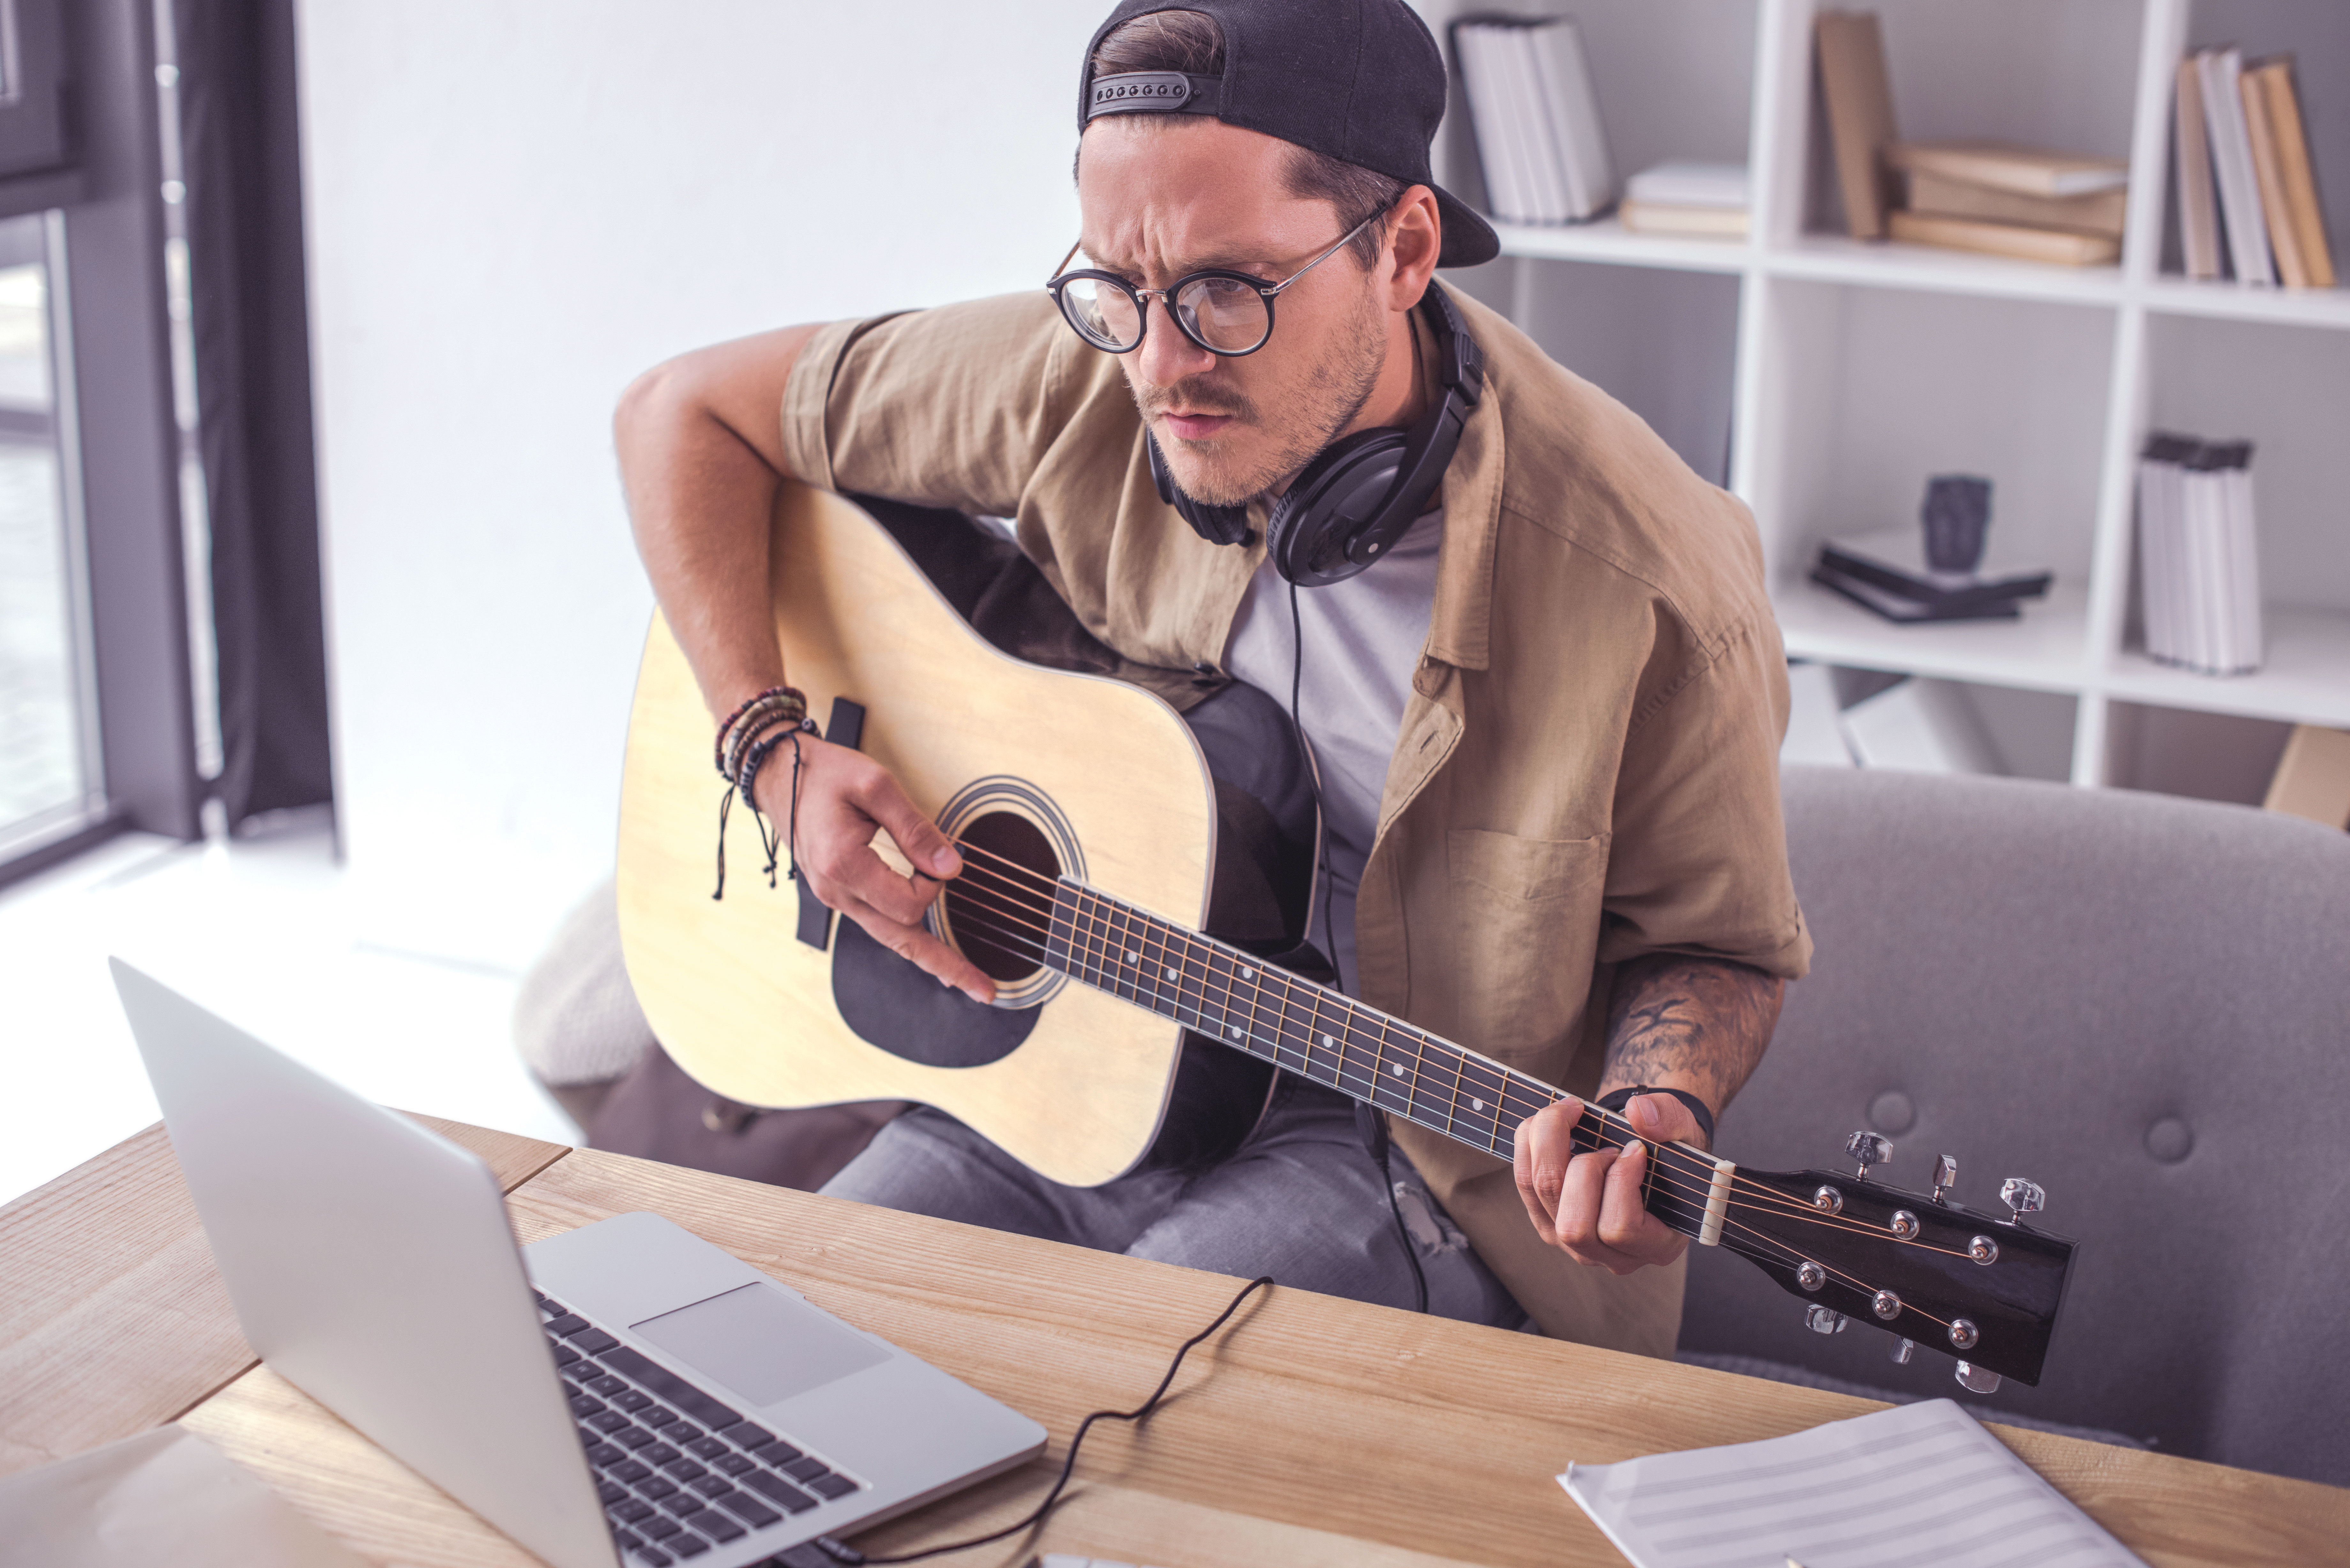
column 1587, row 771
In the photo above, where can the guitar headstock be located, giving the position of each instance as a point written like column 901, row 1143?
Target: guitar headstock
column 1982, row 1289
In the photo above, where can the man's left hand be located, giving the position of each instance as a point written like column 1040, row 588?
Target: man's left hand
column 1588, row 1205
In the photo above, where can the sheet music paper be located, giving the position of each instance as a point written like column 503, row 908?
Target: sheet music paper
column 1917, row 1486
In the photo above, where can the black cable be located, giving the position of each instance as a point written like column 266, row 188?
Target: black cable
column 841, row 1551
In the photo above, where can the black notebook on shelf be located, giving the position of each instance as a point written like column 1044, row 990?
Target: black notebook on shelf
column 1906, row 611
column 1893, row 561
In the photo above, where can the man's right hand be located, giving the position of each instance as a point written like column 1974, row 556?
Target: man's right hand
column 844, row 796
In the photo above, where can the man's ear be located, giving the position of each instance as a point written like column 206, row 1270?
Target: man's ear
column 1415, row 236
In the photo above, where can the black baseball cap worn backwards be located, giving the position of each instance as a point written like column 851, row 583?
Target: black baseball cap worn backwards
column 1358, row 80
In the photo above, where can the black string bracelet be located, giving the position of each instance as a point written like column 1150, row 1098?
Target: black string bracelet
column 824, row 1551
column 746, row 778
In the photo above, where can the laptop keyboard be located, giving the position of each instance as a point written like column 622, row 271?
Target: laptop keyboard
column 678, row 1471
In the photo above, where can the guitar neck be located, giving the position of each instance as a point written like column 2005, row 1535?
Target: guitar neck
column 1321, row 1033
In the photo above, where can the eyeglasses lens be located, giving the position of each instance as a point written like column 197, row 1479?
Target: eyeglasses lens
column 1102, row 311
column 1224, row 314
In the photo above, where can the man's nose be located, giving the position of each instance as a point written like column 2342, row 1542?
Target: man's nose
column 1167, row 356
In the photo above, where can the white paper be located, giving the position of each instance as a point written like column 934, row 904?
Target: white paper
column 164, row 1499
column 1917, row 1486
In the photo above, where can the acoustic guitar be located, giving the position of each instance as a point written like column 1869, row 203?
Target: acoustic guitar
column 1087, row 814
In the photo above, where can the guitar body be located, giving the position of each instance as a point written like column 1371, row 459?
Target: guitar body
column 1078, row 775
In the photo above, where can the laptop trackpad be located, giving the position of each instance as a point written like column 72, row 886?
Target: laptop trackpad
column 762, row 1344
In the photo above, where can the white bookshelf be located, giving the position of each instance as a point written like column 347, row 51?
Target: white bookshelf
column 1823, row 378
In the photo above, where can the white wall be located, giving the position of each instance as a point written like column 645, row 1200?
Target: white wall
column 514, row 206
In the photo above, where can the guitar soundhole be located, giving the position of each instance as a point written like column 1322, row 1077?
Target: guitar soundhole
column 1001, row 908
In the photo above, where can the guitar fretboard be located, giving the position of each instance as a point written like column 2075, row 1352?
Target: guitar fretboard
column 1323, row 1034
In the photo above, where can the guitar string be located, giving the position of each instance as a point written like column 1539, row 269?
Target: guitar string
column 1660, row 1169
column 1695, row 1194
column 1348, row 1069
column 1758, row 1196
column 1789, row 1207
column 1747, row 1241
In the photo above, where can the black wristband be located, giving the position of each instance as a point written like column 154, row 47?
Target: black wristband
column 1622, row 1097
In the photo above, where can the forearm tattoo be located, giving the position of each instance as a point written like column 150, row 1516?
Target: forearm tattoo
column 1701, row 1019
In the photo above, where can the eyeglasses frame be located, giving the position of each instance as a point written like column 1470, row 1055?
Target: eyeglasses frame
column 1166, row 296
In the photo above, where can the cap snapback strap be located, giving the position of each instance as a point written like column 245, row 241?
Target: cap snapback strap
column 1154, row 92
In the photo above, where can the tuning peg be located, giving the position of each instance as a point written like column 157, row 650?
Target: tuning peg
column 2022, row 1198
column 1823, row 1320
column 1903, row 1349
column 1946, row 1174
column 1976, row 1379
column 1866, row 1148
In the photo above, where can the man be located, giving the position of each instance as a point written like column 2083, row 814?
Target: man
column 1547, row 721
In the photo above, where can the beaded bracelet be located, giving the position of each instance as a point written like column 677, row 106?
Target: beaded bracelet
column 779, row 705
column 787, row 702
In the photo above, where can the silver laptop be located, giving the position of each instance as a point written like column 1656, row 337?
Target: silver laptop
column 624, row 1392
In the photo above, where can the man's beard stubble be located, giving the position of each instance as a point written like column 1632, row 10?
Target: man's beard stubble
column 1334, row 393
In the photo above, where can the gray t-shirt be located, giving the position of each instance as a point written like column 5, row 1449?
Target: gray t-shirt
column 1363, row 641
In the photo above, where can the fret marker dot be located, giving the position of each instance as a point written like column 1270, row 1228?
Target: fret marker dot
column 1396, row 1068
column 1133, row 957
column 1170, row 974
column 1247, row 973
column 1328, row 1041
column 1476, row 1104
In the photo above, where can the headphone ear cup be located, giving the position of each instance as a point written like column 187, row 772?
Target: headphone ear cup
column 1333, row 497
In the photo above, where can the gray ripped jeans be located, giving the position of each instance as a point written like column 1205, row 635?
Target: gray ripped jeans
column 1300, row 1200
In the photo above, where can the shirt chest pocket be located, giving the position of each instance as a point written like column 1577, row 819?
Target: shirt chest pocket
column 1526, row 934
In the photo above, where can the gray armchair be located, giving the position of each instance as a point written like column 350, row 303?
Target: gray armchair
column 2141, row 1003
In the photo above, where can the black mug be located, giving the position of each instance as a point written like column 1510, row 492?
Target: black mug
column 1957, row 514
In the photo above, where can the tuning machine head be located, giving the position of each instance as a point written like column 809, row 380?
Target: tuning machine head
column 2021, row 1196
column 1976, row 1379
column 1823, row 1320
column 1946, row 1174
column 1866, row 1148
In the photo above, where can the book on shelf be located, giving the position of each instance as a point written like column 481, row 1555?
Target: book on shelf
column 2268, row 178
column 2242, row 222
column 2246, row 185
column 2099, row 213
column 2280, row 136
column 1683, row 197
column 2002, row 166
column 1900, row 608
column 2063, row 247
column 1894, row 560
column 2199, row 557
column 1859, row 97
column 2313, row 777
column 2199, row 210
column 1536, row 117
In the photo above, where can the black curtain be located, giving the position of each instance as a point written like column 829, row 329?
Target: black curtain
column 244, row 177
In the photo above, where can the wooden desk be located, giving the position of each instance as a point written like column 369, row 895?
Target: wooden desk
column 1315, row 1430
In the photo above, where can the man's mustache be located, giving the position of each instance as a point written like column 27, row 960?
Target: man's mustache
column 1196, row 395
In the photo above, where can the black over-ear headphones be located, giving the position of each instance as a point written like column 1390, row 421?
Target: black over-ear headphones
column 1359, row 495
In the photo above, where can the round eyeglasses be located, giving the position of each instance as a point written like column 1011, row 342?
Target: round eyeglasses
column 1223, row 311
